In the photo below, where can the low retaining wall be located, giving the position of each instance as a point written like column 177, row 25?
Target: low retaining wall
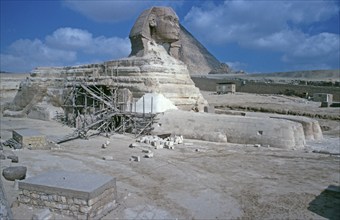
column 83, row 196
column 234, row 129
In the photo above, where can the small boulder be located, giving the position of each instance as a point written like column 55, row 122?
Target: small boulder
column 2, row 156
column 133, row 145
column 14, row 173
column 135, row 158
column 14, row 158
column 149, row 155
column 108, row 158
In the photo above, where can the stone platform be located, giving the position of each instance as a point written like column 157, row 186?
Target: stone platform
column 81, row 195
column 29, row 138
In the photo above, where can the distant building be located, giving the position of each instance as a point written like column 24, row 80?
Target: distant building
column 225, row 87
column 323, row 97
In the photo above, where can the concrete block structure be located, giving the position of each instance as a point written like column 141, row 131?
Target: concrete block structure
column 225, row 87
column 323, row 97
column 79, row 195
column 29, row 138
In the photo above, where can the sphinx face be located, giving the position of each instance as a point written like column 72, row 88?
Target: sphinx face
column 166, row 27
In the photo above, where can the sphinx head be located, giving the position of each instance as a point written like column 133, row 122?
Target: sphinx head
column 158, row 24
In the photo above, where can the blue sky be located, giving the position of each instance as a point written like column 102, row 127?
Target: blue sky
column 255, row 36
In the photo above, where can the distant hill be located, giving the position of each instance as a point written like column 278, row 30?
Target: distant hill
column 304, row 74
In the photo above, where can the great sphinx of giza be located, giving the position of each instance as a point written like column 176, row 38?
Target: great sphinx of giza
column 157, row 24
column 161, row 24
column 153, row 66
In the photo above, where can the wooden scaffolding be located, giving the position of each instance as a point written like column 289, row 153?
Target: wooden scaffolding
column 90, row 107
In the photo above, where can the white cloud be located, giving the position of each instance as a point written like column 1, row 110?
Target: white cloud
column 69, row 38
column 236, row 65
column 23, row 55
column 269, row 25
column 82, row 40
column 318, row 45
column 321, row 50
column 114, row 10
column 115, row 46
column 65, row 46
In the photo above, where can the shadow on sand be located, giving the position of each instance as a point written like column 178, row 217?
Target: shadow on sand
column 327, row 203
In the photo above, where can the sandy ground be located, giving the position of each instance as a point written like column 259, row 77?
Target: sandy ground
column 202, row 181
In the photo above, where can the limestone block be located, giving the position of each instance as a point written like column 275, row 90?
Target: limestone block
column 311, row 127
column 109, row 158
column 44, row 198
column 43, row 215
column 135, row 158
column 133, row 145
column 85, row 209
column 123, row 70
column 149, row 155
column 14, row 158
column 25, row 199
column 168, row 144
column 155, row 143
column 29, row 138
column 178, row 139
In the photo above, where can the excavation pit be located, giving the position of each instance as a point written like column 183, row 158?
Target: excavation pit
column 81, row 195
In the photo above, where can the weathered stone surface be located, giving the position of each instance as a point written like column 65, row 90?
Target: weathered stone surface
column 234, row 129
column 29, row 138
column 14, row 173
column 311, row 127
column 89, row 196
column 179, row 43
column 43, row 215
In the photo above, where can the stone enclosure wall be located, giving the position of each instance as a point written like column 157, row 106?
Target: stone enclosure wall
column 79, row 208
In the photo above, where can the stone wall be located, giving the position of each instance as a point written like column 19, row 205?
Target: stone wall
column 80, row 208
column 271, row 132
column 29, row 138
